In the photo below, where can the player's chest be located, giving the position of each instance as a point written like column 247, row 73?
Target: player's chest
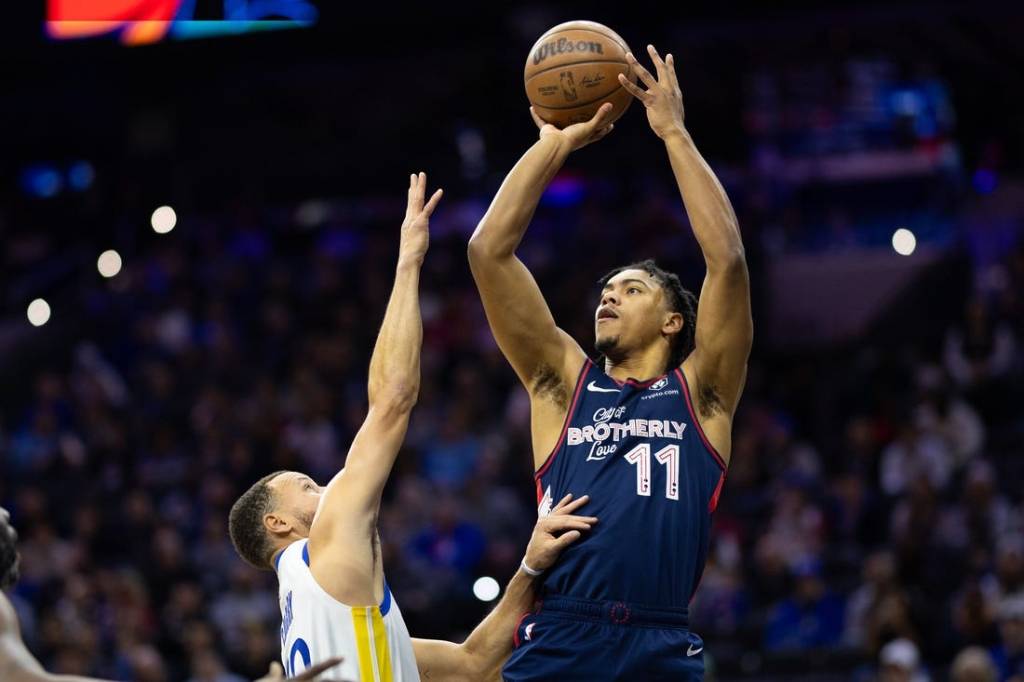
column 608, row 425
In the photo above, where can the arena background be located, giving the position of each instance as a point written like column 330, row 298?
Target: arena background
column 875, row 486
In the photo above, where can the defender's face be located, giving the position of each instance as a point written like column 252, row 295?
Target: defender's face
column 631, row 313
column 298, row 498
column 8, row 550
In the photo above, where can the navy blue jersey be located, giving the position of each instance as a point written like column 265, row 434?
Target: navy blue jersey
column 653, row 480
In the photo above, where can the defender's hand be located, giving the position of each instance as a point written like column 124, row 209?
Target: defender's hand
column 276, row 673
column 556, row 531
column 662, row 99
column 415, row 232
column 578, row 135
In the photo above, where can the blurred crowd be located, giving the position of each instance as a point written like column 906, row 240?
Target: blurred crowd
column 871, row 524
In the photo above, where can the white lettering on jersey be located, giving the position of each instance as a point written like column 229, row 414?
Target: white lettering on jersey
column 616, row 431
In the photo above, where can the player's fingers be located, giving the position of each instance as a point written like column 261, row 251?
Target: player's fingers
column 421, row 186
column 312, row 672
column 276, row 672
column 561, row 504
column 414, row 203
column 659, row 63
column 638, row 68
column 670, row 63
column 567, row 505
column 537, row 119
column 566, row 539
column 604, row 112
column 632, row 88
column 432, row 204
column 603, row 132
column 560, row 524
column 589, row 520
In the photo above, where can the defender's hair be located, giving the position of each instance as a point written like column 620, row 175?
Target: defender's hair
column 245, row 523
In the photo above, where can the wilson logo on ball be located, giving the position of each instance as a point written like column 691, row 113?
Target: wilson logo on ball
column 563, row 46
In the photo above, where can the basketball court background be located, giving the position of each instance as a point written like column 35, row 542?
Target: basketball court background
column 875, row 488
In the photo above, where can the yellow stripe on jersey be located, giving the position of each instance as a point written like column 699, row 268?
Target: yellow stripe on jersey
column 380, row 641
column 359, row 624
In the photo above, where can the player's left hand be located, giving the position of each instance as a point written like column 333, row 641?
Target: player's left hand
column 663, row 99
column 416, row 226
column 556, row 531
column 276, row 673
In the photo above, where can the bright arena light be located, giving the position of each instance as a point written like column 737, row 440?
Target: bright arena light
column 39, row 314
column 164, row 219
column 904, row 242
column 109, row 263
column 486, row 589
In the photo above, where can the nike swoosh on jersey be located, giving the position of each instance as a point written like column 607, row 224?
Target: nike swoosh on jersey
column 693, row 652
column 597, row 389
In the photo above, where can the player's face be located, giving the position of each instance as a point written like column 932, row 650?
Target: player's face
column 8, row 551
column 298, row 497
column 631, row 313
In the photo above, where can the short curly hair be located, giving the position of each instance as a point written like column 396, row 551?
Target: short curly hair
column 245, row 523
column 680, row 300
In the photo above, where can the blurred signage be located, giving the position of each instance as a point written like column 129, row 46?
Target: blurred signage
column 138, row 22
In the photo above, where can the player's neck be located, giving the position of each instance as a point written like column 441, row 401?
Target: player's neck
column 641, row 365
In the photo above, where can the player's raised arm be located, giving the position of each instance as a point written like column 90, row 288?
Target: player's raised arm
column 724, row 327
column 345, row 520
column 483, row 653
column 516, row 309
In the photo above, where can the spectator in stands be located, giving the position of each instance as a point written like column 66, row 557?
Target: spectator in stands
column 973, row 664
column 811, row 618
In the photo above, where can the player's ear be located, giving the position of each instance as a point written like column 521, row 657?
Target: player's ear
column 277, row 523
column 672, row 324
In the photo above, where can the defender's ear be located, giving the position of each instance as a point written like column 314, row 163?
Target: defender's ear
column 277, row 523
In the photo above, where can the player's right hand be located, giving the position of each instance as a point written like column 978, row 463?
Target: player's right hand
column 415, row 227
column 276, row 673
column 556, row 531
column 579, row 135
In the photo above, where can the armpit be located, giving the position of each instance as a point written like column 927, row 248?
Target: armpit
column 548, row 384
column 709, row 401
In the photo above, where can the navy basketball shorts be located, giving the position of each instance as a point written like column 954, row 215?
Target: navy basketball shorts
column 576, row 639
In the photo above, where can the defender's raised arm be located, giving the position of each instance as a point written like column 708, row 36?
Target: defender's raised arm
column 346, row 518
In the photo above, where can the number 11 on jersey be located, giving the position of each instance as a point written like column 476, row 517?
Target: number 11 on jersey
column 640, row 457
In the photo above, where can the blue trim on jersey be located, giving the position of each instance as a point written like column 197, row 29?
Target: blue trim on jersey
column 385, row 605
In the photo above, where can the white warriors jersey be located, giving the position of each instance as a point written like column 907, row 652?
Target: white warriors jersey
column 373, row 640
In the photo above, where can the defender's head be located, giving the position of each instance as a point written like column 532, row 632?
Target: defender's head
column 641, row 305
column 8, row 551
column 276, row 511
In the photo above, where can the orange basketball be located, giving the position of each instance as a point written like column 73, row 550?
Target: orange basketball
column 573, row 69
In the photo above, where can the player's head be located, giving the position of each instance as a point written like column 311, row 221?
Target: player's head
column 641, row 305
column 277, row 510
column 8, row 551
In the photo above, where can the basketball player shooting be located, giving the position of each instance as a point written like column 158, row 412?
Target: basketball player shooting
column 646, row 431
column 323, row 542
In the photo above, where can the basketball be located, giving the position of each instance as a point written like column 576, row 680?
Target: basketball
column 573, row 69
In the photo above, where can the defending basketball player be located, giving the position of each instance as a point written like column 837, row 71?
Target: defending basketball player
column 646, row 431
column 18, row 665
column 323, row 542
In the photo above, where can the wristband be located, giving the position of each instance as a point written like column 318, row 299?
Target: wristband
column 532, row 572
